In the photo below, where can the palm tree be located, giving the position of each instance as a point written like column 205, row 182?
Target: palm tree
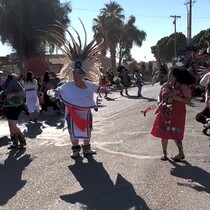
column 113, row 10
column 108, row 26
column 130, row 35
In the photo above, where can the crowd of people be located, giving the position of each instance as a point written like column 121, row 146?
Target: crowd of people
column 31, row 95
column 79, row 91
column 27, row 94
column 121, row 81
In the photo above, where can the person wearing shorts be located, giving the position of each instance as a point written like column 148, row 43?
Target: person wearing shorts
column 13, row 94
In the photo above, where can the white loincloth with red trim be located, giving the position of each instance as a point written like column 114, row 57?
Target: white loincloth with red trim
column 78, row 105
column 79, row 122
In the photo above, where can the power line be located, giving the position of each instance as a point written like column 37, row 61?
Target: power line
column 150, row 16
column 138, row 15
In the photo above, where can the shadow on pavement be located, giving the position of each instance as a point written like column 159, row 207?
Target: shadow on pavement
column 11, row 173
column 109, row 98
column 4, row 141
column 54, row 120
column 142, row 97
column 99, row 192
column 195, row 177
column 33, row 130
column 50, row 118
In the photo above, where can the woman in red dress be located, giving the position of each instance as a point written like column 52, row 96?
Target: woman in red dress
column 170, row 115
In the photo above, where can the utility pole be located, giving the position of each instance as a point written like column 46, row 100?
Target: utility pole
column 189, row 21
column 175, row 17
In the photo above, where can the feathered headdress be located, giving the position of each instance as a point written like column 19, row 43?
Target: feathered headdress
column 200, row 60
column 77, row 56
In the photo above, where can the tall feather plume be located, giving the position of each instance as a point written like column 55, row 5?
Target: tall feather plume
column 74, row 51
column 85, row 32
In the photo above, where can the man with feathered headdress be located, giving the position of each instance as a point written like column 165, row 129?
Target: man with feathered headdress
column 80, row 92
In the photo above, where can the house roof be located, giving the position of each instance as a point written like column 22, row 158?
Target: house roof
column 55, row 59
column 11, row 69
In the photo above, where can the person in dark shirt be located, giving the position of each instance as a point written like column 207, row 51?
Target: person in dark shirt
column 13, row 100
column 110, row 76
column 125, row 80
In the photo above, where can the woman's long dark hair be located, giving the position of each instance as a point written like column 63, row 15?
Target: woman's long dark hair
column 46, row 77
column 183, row 76
column 29, row 77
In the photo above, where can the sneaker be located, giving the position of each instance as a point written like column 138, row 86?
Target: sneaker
column 14, row 142
column 22, row 139
column 87, row 150
column 75, row 151
column 21, row 146
column 75, row 154
column 13, row 146
column 178, row 158
column 205, row 131
column 164, row 157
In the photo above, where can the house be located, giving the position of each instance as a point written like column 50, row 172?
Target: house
column 3, row 61
column 51, row 62
column 7, row 67
column 55, row 62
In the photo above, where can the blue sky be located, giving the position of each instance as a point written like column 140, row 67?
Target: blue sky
column 152, row 16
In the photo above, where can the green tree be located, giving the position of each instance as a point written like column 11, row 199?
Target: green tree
column 130, row 35
column 201, row 39
column 21, row 23
column 164, row 49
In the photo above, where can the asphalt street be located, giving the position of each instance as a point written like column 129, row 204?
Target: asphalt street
column 126, row 173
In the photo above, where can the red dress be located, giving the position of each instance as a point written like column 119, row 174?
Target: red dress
column 170, row 120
